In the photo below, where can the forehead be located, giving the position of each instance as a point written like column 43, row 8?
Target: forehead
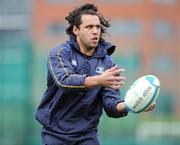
column 87, row 19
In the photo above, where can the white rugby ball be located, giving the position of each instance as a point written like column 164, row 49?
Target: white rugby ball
column 142, row 93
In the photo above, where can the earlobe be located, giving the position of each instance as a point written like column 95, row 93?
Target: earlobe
column 75, row 30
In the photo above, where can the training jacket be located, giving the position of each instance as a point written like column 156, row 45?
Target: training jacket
column 67, row 106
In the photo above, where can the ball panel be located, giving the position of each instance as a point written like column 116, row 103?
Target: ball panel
column 153, row 80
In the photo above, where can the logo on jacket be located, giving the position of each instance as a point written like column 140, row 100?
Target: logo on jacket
column 100, row 69
column 74, row 62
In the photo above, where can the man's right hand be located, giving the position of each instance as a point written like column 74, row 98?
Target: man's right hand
column 110, row 78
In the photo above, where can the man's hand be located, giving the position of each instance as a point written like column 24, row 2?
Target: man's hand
column 151, row 107
column 110, row 78
column 121, row 107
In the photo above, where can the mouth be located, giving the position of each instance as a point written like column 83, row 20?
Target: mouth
column 95, row 39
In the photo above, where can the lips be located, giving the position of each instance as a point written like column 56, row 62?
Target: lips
column 94, row 39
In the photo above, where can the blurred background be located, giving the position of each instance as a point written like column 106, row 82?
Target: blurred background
column 147, row 35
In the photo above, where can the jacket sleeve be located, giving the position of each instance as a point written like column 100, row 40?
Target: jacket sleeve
column 61, row 69
column 110, row 98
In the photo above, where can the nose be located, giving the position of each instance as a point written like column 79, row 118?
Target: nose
column 95, row 30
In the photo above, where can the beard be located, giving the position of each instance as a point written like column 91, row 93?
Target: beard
column 90, row 44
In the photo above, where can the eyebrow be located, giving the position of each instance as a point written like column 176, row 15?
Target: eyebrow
column 92, row 25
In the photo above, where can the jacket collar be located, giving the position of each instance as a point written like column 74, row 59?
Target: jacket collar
column 103, row 49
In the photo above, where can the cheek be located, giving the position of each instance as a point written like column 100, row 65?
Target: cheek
column 84, row 36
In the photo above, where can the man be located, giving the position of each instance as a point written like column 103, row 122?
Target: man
column 82, row 80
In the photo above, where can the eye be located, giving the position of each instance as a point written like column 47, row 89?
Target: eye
column 93, row 26
column 98, row 26
column 90, row 26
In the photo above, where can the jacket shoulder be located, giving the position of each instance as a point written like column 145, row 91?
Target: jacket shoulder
column 64, row 48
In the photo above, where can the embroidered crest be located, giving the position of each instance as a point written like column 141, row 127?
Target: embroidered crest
column 74, row 62
column 100, row 69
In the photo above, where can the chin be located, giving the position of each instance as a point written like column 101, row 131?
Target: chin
column 94, row 45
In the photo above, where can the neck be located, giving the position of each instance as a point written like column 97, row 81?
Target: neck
column 88, row 52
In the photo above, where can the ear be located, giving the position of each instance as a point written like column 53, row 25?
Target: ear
column 75, row 30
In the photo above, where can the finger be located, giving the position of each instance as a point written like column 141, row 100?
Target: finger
column 148, row 109
column 122, row 83
column 113, row 68
column 117, row 86
column 119, row 78
column 117, row 71
column 151, row 107
column 154, row 103
column 122, row 70
column 119, row 83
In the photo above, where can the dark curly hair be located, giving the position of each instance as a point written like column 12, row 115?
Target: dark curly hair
column 74, row 18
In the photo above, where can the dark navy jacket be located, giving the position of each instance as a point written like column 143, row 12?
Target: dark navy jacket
column 67, row 107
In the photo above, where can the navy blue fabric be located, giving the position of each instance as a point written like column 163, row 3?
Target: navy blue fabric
column 67, row 107
column 89, row 138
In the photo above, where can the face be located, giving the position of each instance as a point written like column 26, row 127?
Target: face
column 89, row 31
